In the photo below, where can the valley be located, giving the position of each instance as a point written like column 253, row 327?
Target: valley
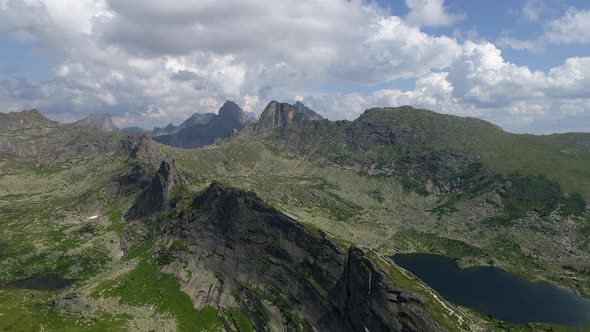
column 162, row 238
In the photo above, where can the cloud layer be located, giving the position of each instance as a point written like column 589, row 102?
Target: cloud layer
column 150, row 63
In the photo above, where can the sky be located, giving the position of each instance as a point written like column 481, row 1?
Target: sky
column 521, row 64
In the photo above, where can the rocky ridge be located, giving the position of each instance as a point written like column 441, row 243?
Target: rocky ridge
column 282, row 273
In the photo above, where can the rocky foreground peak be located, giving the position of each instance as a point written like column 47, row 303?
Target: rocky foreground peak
column 282, row 115
column 25, row 120
column 102, row 122
column 282, row 274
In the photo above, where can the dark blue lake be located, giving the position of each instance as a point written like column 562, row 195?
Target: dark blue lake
column 492, row 291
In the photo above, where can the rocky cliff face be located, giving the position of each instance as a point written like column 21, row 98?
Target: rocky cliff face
column 280, row 116
column 229, row 119
column 283, row 274
column 102, row 122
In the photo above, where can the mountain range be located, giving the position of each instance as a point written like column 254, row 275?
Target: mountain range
column 204, row 129
column 283, row 223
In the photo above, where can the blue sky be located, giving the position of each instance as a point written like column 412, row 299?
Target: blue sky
column 521, row 64
column 23, row 59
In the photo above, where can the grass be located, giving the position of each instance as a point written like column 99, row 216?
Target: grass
column 142, row 286
column 141, row 249
column 25, row 310
column 572, row 205
column 447, row 207
column 412, row 240
column 411, row 185
column 239, row 320
column 523, row 193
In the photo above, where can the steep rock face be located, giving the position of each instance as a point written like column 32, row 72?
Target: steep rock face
column 222, row 125
column 283, row 274
column 25, row 120
column 102, row 122
column 157, row 194
column 282, row 115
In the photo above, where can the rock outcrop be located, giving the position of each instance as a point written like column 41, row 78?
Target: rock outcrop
column 283, row 274
column 102, row 122
column 141, row 147
column 280, row 116
column 156, row 196
column 222, row 125
column 144, row 157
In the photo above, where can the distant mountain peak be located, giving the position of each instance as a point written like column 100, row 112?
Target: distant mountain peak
column 231, row 111
column 100, row 121
column 282, row 115
column 170, row 129
column 229, row 119
column 24, row 120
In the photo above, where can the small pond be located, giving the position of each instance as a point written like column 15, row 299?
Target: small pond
column 48, row 282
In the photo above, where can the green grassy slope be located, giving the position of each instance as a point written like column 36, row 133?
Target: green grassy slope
column 563, row 158
column 377, row 211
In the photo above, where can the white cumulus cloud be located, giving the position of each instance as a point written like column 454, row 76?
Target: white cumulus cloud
column 431, row 13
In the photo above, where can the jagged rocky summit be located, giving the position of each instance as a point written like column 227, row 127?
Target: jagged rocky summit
column 102, row 122
column 282, row 115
